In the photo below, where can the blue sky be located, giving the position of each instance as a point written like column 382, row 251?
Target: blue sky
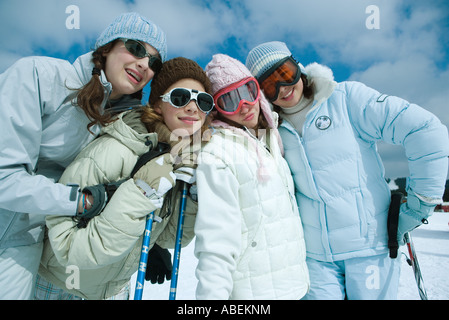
column 406, row 54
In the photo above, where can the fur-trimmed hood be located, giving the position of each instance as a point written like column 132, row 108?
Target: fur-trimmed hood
column 316, row 70
column 322, row 79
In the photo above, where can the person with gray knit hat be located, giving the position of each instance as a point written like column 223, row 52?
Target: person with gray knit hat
column 61, row 107
column 134, row 26
column 139, row 153
column 249, row 240
column 330, row 132
column 128, row 53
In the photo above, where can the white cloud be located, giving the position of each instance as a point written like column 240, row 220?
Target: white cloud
column 415, row 78
column 405, row 57
column 337, row 30
column 191, row 29
column 26, row 27
column 29, row 27
column 334, row 29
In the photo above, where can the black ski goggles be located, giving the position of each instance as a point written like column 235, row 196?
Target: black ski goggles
column 180, row 97
column 138, row 50
column 286, row 72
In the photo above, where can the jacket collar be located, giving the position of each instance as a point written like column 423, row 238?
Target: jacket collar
column 127, row 130
column 84, row 65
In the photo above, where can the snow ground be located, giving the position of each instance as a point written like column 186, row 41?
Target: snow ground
column 431, row 243
column 432, row 249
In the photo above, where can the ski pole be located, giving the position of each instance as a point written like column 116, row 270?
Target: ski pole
column 144, row 257
column 413, row 261
column 177, row 252
column 397, row 199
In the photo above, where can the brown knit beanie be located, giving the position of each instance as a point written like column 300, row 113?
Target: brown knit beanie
column 174, row 70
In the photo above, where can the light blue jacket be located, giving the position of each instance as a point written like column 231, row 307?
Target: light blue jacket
column 341, row 191
column 41, row 132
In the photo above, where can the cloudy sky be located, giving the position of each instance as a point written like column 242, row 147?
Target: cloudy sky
column 399, row 47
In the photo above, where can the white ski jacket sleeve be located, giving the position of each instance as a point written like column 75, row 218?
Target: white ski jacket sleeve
column 217, row 254
column 21, row 136
column 396, row 121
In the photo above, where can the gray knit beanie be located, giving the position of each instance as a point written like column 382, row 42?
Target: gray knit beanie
column 134, row 26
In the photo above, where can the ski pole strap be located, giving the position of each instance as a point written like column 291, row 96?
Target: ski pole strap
column 160, row 149
column 392, row 223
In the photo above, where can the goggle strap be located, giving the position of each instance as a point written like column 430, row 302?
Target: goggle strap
column 234, row 86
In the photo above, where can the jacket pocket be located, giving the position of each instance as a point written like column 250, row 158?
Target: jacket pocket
column 363, row 218
column 250, row 242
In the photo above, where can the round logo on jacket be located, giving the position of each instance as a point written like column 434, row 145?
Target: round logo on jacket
column 323, row 122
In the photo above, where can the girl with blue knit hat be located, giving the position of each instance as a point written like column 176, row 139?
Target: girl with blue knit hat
column 329, row 131
column 51, row 110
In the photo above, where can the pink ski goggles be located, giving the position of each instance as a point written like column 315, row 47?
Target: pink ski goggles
column 230, row 99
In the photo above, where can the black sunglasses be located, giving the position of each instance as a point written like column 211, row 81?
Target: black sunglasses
column 138, row 50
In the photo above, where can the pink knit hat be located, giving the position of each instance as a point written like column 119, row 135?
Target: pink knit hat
column 224, row 71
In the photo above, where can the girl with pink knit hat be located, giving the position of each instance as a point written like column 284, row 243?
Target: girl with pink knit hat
column 249, row 238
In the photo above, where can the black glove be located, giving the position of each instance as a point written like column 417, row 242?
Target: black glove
column 101, row 194
column 159, row 265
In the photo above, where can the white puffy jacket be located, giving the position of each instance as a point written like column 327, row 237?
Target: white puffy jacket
column 249, row 238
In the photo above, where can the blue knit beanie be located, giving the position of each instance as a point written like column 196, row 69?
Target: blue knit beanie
column 265, row 55
column 134, row 26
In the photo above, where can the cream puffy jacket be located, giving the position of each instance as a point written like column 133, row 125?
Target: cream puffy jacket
column 107, row 251
column 249, row 238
